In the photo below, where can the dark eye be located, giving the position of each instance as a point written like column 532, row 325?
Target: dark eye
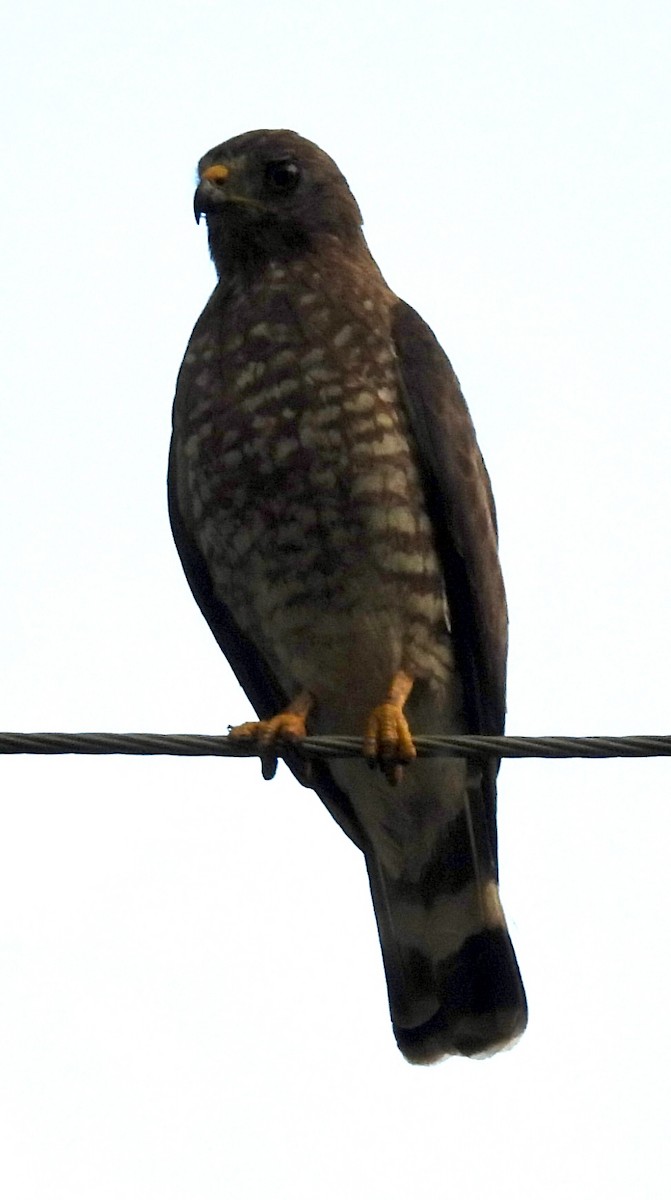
column 282, row 177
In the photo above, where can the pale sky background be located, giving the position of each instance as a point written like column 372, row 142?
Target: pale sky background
column 192, row 1002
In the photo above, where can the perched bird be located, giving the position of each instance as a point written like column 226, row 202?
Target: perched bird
column 336, row 525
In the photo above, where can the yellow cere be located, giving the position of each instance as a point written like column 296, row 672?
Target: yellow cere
column 216, row 174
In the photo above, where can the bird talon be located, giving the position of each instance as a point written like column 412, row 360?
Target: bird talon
column 246, row 732
column 268, row 766
column 285, row 726
column 388, row 742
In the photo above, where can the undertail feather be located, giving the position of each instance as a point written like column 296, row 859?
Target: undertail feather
column 452, row 976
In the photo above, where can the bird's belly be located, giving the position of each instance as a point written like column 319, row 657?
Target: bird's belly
column 324, row 555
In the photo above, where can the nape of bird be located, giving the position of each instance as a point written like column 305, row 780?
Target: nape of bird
column 336, row 525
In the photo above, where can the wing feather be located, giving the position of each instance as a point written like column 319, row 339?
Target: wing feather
column 461, row 506
column 250, row 668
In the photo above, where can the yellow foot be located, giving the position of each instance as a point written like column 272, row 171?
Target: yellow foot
column 289, row 725
column 286, row 726
column 387, row 740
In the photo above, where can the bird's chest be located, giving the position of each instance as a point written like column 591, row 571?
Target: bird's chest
column 294, row 428
column 301, row 476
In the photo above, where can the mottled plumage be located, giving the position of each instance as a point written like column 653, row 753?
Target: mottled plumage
column 336, row 525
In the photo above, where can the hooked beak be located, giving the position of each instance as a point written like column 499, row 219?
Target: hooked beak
column 214, row 192
column 210, row 194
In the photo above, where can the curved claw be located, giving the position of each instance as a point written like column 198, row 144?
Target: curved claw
column 388, row 741
column 287, row 726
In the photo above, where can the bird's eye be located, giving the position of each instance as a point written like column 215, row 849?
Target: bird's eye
column 282, row 177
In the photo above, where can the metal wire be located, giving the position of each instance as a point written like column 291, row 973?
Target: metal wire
column 470, row 745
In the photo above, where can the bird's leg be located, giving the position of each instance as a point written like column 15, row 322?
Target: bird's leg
column 288, row 725
column 387, row 740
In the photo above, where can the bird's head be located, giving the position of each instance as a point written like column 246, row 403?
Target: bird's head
column 271, row 193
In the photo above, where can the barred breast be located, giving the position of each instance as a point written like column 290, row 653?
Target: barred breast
column 302, row 483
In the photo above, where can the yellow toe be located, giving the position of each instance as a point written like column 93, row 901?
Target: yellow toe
column 287, row 726
column 388, row 741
